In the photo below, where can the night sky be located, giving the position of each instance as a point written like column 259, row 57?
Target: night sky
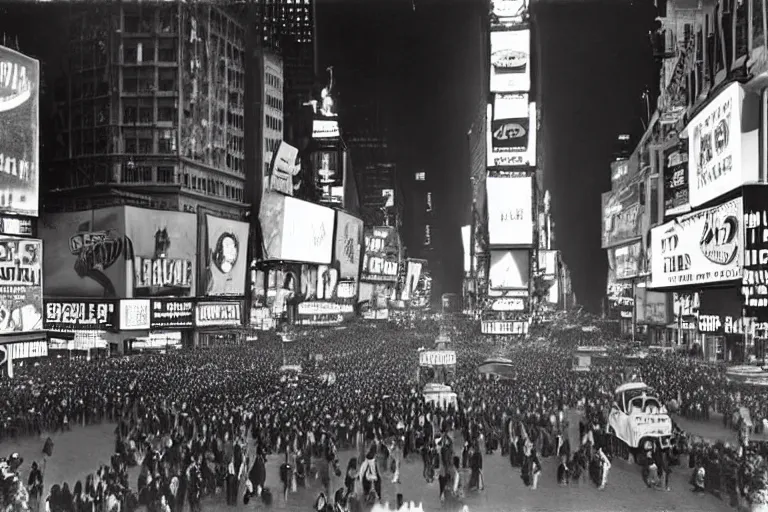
column 596, row 62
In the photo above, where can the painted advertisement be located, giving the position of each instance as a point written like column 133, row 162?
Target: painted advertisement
column 510, row 125
column 510, row 270
column 754, row 283
column 296, row 230
column 717, row 164
column 226, row 265
column 701, row 247
column 676, row 181
column 381, row 256
column 21, row 285
column 621, row 219
column 20, row 134
column 510, row 211
column 85, row 253
column 511, row 60
column 348, row 246
column 164, row 254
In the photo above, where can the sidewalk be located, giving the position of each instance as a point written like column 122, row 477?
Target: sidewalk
column 712, row 430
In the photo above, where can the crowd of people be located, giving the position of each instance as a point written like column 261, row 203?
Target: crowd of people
column 200, row 423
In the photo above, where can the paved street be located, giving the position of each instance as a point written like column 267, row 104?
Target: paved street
column 504, row 489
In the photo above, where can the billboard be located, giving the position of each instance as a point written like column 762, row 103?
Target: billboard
column 80, row 315
column 507, row 13
column 625, row 260
column 218, row 314
column 296, row 230
column 548, row 263
column 754, row 283
column 21, row 285
column 619, row 173
column 676, row 181
column 20, row 133
column 381, row 256
column 722, row 158
column 511, row 61
column 348, row 246
column 329, row 174
column 651, row 307
column 285, row 165
column 226, row 261
column 325, row 129
column 500, row 156
column 172, row 314
column 621, row 218
column 510, row 125
column 510, row 211
column 466, row 241
column 700, row 247
column 85, row 253
column 509, row 270
column 164, row 254
column 413, row 273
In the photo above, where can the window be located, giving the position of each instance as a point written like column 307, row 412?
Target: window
column 167, row 50
column 165, row 174
column 145, row 52
column 130, row 23
column 167, row 142
column 145, row 145
column 146, row 111
column 130, row 52
column 130, row 115
column 166, row 112
column 166, row 21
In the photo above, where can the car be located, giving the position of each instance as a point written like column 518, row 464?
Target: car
column 638, row 420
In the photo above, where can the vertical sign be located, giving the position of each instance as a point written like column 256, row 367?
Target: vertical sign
column 755, row 274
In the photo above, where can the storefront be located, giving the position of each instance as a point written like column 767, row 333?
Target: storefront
column 219, row 323
column 724, row 331
column 86, row 325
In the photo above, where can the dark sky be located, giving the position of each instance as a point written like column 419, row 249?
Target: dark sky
column 596, row 62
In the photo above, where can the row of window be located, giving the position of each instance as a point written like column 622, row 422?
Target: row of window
column 274, row 102
column 145, row 81
column 165, row 174
column 273, row 123
column 145, row 20
column 143, row 51
column 213, row 187
column 274, row 80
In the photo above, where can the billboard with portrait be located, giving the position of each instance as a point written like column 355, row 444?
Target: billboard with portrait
column 296, row 230
column 700, row 247
column 511, row 60
column 85, row 253
column 509, row 270
column 20, row 133
column 381, row 255
column 510, row 211
column 21, row 285
column 164, row 252
column 226, row 265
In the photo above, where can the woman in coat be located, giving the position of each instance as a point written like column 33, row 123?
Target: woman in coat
column 370, row 475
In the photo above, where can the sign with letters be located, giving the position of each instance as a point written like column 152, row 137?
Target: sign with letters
column 754, row 284
column 701, row 247
column 437, row 358
column 134, row 314
column 209, row 314
column 172, row 313
column 80, row 315
column 621, row 215
column 517, row 327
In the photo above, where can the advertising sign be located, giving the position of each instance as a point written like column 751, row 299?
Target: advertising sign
column 619, row 173
column 548, row 263
column 380, row 260
column 508, row 13
column 510, row 211
column 715, row 148
column 625, row 260
column 754, row 284
column 513, row 327
column 319, row 282
column 134, row 314
column 510, row 125
column 80, row 315
column 502, row 149
column 23, row 350
column 210, row 314
column 226, row 259
column 509, row 270
column 675, row 181
column 20, row 134
column 651, row 307
column 323, row 313
column 328, row 169
column 700, row 247
column 172, row 314
column 85, row 253
column 21, row 285
column 621, row 219
column 325, row 129
column 348, row 245
column 285, row 166
column 164, row 253
column 510, row 61
column 16, row 226
column 509, row 304
column 437, row 358
column 296, row 230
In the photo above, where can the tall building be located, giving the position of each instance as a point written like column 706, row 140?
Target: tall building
column 272, row 114
column 150, row 109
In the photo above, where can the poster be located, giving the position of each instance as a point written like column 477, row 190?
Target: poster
column 676, row 181
column 510, row 211
column 510, row 270
column 348, row 245
column 21, row 285
column 754, row 284
column 19, row 133
column 381, row 256
column 226, row 256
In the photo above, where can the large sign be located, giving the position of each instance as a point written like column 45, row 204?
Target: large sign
column 86, row 252
column 508, row 13
column 510, row 211
column 620, row 173
column 80, row 315
column 172, row 314
column 700, row 247
column 164, row 253
column 754, row 285
column 437, row 358
column 651, row 307
column 717, row 163
column 510, row 270
column 514, row 327
column 21, row 285
column 625, row 260
column 511, row 61
column 348, row 245
column 134, row 314
column 380, row 260
column 548, row 263
column 285, row 165
column 676, row 181
column 325, row 129
column 226, row 256
column 510, row 126
column 296, row 230
column 413, row 278
column 23, row 350
column 218, row 314
column 323, row 313
column 621, row 219
column 20, row 135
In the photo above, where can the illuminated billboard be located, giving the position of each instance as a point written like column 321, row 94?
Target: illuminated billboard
column 510, row 60
column 510, row 211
